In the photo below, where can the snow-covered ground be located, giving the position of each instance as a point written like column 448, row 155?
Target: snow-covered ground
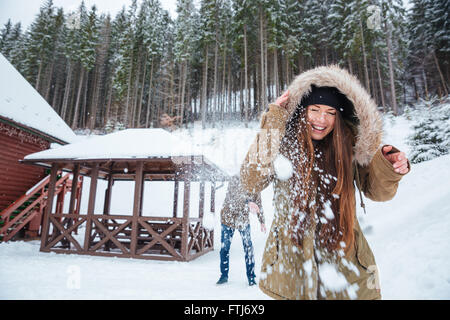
column 409, row 237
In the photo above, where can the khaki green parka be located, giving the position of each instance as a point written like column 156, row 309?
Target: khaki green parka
column 290, row 272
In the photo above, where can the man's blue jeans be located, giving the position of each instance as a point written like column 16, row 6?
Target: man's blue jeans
column 226, row 237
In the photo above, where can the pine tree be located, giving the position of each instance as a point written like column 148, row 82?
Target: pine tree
column 5, row 35
column 40, row 44
column 121, row 47
column 244, row 27
column 12, row 44
column 88, row 37
column 208, row 16
column 100, row 74
column 225, row 48
column 185, row 38
column 438, row 15
column 292, row 28
column 431, row 136
column 150, row 38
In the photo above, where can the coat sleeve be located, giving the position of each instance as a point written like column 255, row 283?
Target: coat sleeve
column 257, row 169
column 257, row 200
column 378, row 180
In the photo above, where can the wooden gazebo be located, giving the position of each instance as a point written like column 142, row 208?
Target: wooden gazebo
column 129, row 234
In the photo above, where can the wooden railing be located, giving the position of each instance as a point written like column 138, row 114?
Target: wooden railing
column 30, row 206
column 160, row 238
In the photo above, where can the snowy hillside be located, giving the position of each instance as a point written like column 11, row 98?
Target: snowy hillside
column 409, row 237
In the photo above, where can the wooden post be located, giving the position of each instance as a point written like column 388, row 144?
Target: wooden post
column 60, row 199
column 175, row 199
column 91, row 206
column 74, row 193
column 107, row 202
column 213, row 197
column 138, row 188
column 74, row 190
column 78, row 197
column 142, row 191
column 49, row 206
column 201, row 206
column 79, row 193
column 185, row 223
column 108, row 192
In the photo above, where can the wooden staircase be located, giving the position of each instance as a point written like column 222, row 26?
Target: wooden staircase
column 29, row 208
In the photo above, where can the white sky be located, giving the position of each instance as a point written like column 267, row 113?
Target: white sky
column 26, row 10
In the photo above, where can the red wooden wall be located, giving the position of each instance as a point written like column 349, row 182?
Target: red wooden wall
column 17, row 178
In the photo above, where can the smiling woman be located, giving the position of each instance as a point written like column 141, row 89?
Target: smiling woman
column 330, row 130
column 321, row 119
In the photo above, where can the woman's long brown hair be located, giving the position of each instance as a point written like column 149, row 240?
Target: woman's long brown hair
column 325, row 166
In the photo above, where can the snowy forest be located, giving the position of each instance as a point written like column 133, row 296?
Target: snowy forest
column 222, row 60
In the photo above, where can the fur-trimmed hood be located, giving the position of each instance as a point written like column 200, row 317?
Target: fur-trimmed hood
column 370, row 127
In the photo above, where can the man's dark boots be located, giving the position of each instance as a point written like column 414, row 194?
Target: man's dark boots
column 222, row 280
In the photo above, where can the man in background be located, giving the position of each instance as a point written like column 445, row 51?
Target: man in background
column 235, row 216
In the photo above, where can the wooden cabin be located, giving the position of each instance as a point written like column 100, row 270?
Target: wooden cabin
column 28, row 124
column 140, row 156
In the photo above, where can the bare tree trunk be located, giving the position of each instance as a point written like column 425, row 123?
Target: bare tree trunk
column 77, row 104
column 188, row 102
column 171, row 96
column 366, row 71
column 49, row 82
column 349, row 62
column 141, row 97
column 56, row 96
column 246, row 89
column 203, row 100
column 425, row 83
column 93, row 105
column 391, row 71
column 127, row 102
column 444, row 85
column 136, row 89
column 67, row 90
column 380, row 81
column 149, row 95
column 229, row 91
column 84, row 103
column 266, row 74
column 223, row 90
column 287, row 71
column 214, row 107
column 183, row 91
column 416, row 92
column 38, row 78
column 263, row 69
column 373, row 84
column 241, row 96
column 108, row 104
column 276, row 80
column 180, row 86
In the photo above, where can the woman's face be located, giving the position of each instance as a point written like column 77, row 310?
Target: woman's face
column 321, row 119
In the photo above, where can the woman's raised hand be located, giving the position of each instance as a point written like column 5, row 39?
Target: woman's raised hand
column 398, row 160
column 253, row 207
column 283, row 100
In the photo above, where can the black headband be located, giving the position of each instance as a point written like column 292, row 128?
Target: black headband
column 332, row 97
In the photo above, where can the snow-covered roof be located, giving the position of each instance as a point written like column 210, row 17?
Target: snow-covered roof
column 130, row 143
column 21, row 103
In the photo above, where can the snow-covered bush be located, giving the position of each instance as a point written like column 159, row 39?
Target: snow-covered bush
column 113, row 126
column 431, row 131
